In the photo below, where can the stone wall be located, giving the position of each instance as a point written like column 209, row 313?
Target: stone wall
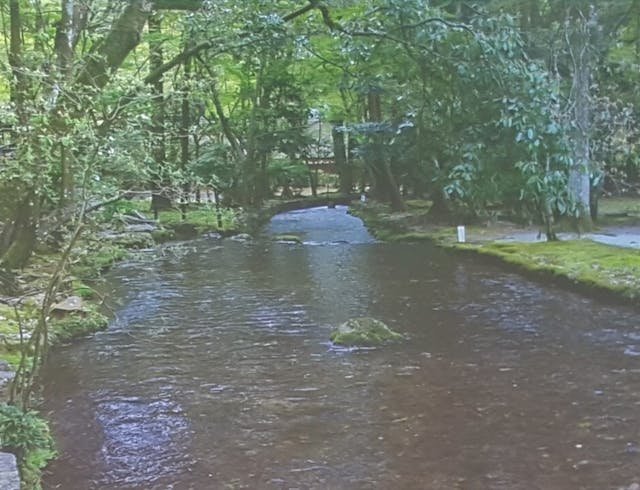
column 9, row 476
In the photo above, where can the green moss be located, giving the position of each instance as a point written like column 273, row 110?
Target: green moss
column 202, row 216
column 79, row 288
column 93, row 261
column 77, row 324
column 10, row 331
column 287, row 238
column 364, row 332
column 583, row 264
column 12, row 358
column 590, row 263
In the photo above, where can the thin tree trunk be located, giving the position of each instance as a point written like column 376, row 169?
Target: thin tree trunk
column 159, row 197
column 185, row 123
column 236, row 147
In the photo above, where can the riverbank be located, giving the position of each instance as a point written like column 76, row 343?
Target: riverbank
column 119, row 232
column 605, row 263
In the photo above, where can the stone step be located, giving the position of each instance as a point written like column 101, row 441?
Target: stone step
column 9, row 476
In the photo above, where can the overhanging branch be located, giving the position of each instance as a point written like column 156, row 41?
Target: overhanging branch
column 211, row 43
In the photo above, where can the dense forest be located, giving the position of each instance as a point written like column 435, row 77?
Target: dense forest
column 525, row 109
column 519, row 105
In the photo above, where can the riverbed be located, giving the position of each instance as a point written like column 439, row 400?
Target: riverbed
column 217, row 373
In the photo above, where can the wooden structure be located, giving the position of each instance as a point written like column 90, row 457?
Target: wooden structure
column 326, row 164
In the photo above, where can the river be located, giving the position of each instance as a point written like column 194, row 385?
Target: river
column 216, row 373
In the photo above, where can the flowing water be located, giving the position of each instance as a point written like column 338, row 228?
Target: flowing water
column 217, row 373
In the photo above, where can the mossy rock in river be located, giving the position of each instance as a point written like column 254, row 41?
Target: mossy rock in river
column 288, row 238
column 366, row 332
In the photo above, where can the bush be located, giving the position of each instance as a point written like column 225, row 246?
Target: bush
column 23, row 432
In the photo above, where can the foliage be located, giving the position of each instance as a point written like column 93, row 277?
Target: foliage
column 22, row 431
column 203, row 217
column 289, row 176
column 26, row 435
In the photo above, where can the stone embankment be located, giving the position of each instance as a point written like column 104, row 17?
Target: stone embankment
column 9, row 476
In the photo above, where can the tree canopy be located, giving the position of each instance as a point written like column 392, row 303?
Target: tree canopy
column 519, row 105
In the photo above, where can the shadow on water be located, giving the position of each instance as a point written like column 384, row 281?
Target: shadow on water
column 217, row 373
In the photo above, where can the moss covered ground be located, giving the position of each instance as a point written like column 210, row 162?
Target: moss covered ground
column 580, row 263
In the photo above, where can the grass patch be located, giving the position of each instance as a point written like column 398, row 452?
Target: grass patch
column 202, row 216
column 10, row 331
column 619, row 205
column 94, row 259
column 580, row 264
column 583, row 261
column 418, row 204
column 618, row 211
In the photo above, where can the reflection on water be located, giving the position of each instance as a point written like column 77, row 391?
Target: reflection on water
column 217, row 373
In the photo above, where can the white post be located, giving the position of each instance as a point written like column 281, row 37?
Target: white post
column 461, row 237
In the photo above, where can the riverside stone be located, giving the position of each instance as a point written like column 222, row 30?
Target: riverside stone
column 9, row 475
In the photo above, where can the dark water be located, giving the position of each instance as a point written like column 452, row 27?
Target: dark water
column 217, row 374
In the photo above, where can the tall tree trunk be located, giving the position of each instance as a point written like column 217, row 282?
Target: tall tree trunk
column 250, row 184
column 234, row 142
column 18, row 236
column 185, row 124
column 160, row 199
column 385, row 180
column 345, row 172
column 18, row 87
column 580, row 46
column 64, row 46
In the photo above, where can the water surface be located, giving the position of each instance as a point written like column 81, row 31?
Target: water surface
column 217, row 373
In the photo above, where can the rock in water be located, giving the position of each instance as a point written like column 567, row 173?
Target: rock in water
column 287, row 238
column 366, row 332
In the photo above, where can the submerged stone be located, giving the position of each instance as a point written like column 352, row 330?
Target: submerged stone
column 287, row 238
column 365, row 331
